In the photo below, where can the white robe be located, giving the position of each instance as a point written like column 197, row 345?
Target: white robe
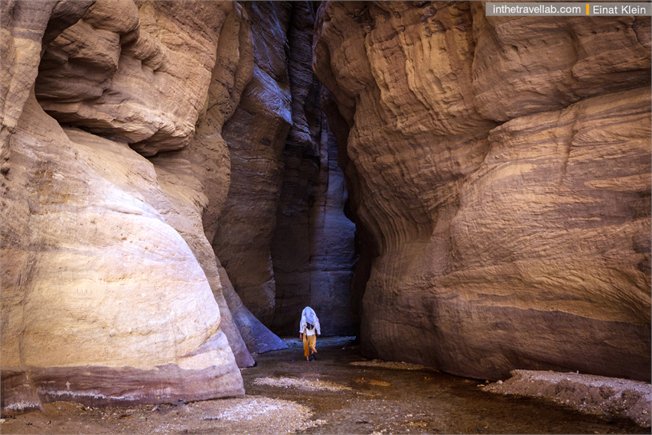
column 308, row 315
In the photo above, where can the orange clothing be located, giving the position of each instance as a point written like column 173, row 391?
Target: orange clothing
column 309, row 344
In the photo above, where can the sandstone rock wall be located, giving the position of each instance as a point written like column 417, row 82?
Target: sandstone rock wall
column 312, row 247
column 500, row 170
column 136, row 137
column 23, row 26
column 111, row 291
column 282, row 237
column 256, row 135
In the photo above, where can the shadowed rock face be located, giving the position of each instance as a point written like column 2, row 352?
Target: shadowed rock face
column 500, row 171
column 117, row 177
column 256, row 135
column 168, row 174
column 283, row 237
column 312, row 247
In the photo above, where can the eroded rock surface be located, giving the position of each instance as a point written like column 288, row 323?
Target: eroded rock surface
column 256, row 136
column 589, row 394
column 312, row 247
column 152, row 101
column 111, row 291
column 23, row 26
column 283, row 237
column 103, row 300
column 500, row 172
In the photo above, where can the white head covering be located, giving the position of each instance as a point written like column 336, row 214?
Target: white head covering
column 309, row 315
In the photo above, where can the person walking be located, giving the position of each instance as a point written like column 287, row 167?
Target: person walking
column 309, row 329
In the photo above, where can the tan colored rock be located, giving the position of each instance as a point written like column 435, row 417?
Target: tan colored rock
column 589, row 394
column 256, row 336
column 500, row 172
column 197, row 177
column 162, row 57
column 515, row 74
column 22, row 27
column 111, row 290
column 102, row 299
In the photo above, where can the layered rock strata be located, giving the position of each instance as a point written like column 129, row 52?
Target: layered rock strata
column 256, row 135
column 24, row 26
column 111, row 291
column 500, row 170
column 282, row 237
column 103, row 300
column 312, row 247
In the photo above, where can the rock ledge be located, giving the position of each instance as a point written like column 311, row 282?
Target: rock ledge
column 589, row 394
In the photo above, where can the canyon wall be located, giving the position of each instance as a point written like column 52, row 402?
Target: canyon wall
column 500, row 175
column 312, row 246
column 170, row 177
column 282, row 236
column 113, row 164
column 137, row 138
column 256, row 135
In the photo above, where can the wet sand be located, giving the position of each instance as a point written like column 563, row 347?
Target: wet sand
column 331, row 395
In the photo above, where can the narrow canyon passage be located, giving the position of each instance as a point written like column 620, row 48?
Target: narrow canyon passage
column 461, row 191
column 341, row 392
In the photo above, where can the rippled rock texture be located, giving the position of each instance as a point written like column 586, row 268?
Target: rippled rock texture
column 110, row 287
column 312, row 246
column 500, row 171
column 283, row 237
column 137, row 136
column 499, row 175
column 256, row 136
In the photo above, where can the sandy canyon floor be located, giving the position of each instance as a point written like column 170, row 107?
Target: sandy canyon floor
column 341, row 392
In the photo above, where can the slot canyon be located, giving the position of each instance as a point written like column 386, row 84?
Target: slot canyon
column 460, row 197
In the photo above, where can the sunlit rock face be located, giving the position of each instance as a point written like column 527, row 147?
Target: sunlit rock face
column 136, row 74
column 111, row 291
column 136, row 136
column 500, row 171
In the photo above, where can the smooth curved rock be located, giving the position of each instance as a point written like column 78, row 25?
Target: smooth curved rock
column 103, row 300
column 197, row 177
column 111, row 291
column 255, row 335
column 256, row 135
column 282, row 237
column 500, row 169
